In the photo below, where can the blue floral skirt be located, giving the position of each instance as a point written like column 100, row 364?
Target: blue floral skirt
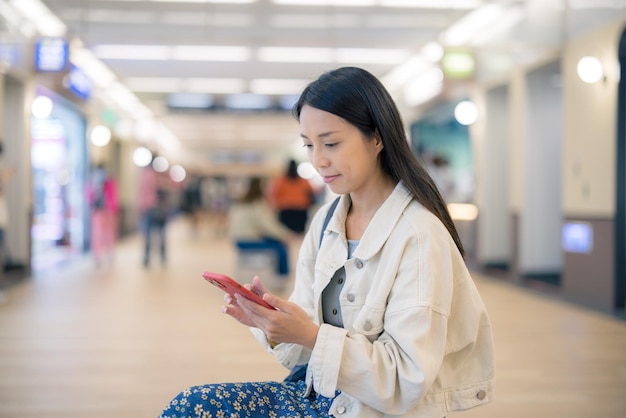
column 250, row 399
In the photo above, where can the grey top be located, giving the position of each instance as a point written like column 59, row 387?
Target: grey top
column 331, row 309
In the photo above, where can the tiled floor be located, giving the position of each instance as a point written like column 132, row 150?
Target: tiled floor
column 120, row 340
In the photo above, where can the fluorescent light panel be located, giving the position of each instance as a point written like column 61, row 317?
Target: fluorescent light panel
column 421, row 4
column 341, row 55
column 277, row 86
column 180, row 53
column 461, row 32
column 352, row 3
column 433, row 4
column 207, row 1
column 283, row 54
column 34, row 11
column 215, row 85
column 371, row 56
column 211, row 53
column 133, row 52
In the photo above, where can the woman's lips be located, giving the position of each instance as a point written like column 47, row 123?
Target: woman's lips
column 329, row 179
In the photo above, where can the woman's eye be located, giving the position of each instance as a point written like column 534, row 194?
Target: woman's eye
column 332, row 144
column 307, row 146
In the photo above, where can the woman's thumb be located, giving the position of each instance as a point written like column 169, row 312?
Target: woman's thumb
column 257, row 287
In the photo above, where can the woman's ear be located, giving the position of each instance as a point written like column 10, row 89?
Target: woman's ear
column 378, row 141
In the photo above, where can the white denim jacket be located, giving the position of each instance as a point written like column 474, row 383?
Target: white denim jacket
column 417, row 339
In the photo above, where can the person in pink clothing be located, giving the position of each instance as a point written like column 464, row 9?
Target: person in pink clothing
column 104, row 202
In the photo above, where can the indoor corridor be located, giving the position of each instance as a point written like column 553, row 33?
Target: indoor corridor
column 120, row 340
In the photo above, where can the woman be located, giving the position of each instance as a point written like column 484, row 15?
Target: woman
column 292, row 196
column 384, row 310
column 253, row 226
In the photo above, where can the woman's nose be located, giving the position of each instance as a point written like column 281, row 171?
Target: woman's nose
column 318, row 159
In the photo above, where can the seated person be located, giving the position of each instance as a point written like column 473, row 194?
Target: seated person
column 254, row 225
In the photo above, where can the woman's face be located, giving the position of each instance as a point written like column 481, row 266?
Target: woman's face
column 346, row 160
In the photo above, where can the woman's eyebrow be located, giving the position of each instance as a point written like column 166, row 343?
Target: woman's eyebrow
column 322, row 135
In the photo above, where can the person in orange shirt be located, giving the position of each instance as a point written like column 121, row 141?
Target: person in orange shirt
column 292, row 196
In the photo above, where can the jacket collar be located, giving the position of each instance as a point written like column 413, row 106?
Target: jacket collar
column 381, row 225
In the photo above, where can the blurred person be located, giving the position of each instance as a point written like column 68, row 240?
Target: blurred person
column 253, row 225
column 439, row 169
column 103, row 199
column 384, row 319
column 192, row 204
column 219, row 203
column 153, row 210
column 292, row 196
column 5, row 175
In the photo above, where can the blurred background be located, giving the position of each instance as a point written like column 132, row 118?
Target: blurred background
column 517, row 108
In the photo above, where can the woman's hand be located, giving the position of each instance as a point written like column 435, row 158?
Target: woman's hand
column 232, row 307
column 288, row 324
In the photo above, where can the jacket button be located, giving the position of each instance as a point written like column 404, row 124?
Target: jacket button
column 350, row 297
column 359, row 264
column 341, row 409
column 367, row 326
column 481, row 395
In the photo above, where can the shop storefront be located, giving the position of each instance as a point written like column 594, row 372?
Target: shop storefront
column 59, row 171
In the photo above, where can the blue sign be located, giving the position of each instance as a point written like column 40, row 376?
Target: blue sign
column 51, row 54
column 79, row 83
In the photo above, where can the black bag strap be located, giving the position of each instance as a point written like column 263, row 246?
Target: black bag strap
column 329, row 215
column 299, row 372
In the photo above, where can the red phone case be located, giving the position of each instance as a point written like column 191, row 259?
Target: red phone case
column 232, row 287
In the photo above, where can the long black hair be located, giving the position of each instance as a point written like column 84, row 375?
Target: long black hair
column 358, row 97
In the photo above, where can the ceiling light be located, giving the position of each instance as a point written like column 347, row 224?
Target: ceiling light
column 401, row 74
column 462, row 31
column 504, row 24
column 133, row 52
column 424, row 87
column 100, row 135
column 41, row 107
column 142, row 156
column 160, row 164
column 206, row 1
column 371, row 56
column 209, row 1
column 277, row 86
column 433, row 51
column 353, row 3
column 465, row 112
column 433, row 4
column 589, row 69
column 34, row 11
column 211, row 53
column 90, row 64
column 177, row 173
column 281, row 54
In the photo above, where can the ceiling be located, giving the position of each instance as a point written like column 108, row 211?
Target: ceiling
column 119, row 30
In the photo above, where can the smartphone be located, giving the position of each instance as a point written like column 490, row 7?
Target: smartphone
column 232, row 287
